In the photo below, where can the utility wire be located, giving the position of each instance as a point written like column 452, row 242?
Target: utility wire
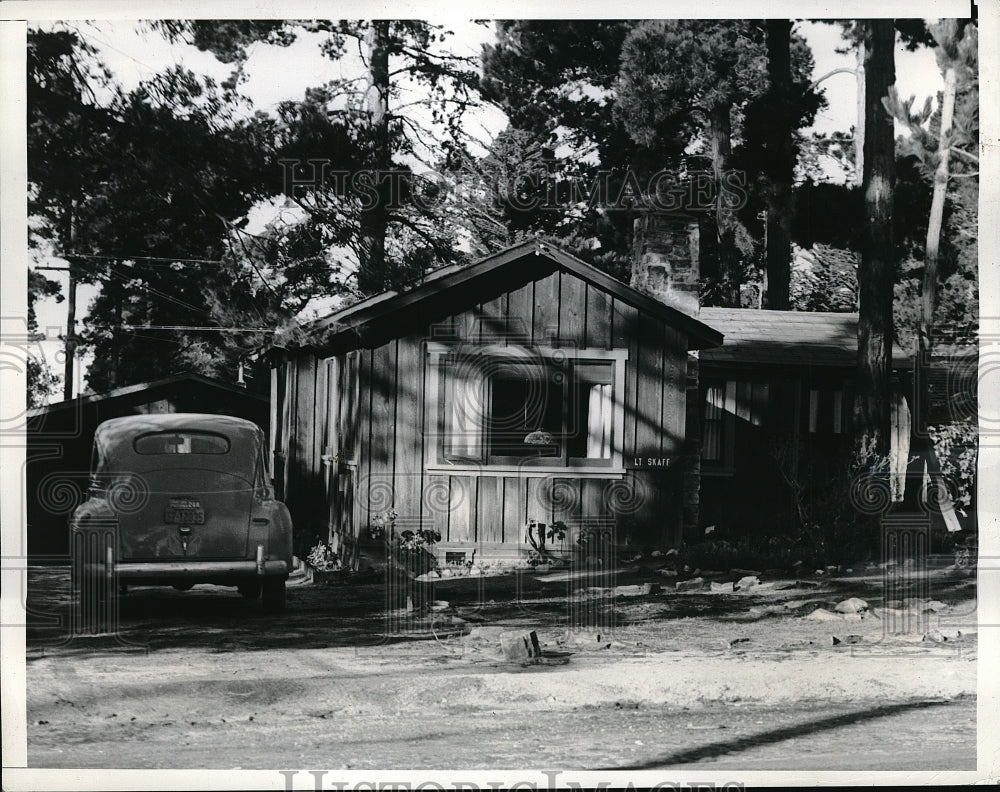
column 129, row 328
column 171, row 260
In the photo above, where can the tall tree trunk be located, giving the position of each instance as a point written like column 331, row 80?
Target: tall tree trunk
column 860, row 52
column 877, row 271
column 922, row 445
column 68, row 373
column 373, row 276
column 929, row 289
column 720, row 138
column 782, row 165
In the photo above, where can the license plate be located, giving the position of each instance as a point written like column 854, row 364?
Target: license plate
column 184, row 511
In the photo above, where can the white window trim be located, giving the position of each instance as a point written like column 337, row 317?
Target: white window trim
column 434, row 351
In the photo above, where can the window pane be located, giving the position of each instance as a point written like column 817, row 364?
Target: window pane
column 463, row 411
column 181, row 443
column 712, row 425
column 589, row 421
column 813, row 410
column 743, row 400
column 713, row 403
column 838, row 411
column 589, row 426
column 758, row 409
column 599, row 422
column 525, row 416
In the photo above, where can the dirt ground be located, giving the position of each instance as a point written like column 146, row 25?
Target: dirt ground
column 627, row 680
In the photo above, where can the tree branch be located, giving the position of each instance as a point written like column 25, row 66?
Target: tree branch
column 831, row 73
column 972, row 157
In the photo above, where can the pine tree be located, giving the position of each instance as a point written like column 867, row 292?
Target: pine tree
column 877, row 269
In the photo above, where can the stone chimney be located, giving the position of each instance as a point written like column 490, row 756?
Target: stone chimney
column 665, row 259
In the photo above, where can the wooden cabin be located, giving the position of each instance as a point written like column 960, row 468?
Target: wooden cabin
column 781, row 387
column 528, row 386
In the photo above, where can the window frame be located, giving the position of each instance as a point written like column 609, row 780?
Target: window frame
column 740, row 401
column 827, row 408
column 579, row 467
column 190, row 435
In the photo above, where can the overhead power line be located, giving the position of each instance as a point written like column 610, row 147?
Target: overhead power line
column 171, row 260
column 205, row 328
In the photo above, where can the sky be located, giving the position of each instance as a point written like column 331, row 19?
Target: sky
column 276, row 74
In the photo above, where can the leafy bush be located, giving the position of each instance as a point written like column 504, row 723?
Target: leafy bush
column 956, row 446
column 754, row 552
column 830, row 487
column 323, row 557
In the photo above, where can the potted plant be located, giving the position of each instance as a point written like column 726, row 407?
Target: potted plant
column 324, row 561
column 540, row 536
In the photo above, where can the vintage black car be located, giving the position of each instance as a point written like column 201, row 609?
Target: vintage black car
column 180, row 499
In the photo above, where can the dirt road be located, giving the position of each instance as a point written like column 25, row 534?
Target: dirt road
column 642, row 682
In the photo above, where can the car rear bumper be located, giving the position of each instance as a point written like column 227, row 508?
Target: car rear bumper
column 141, row 570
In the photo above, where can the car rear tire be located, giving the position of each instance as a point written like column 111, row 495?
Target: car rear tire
column 249, row 591
column 93, row 583
column 273, row 591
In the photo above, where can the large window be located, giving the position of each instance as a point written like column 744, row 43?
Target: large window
column 182, row 442
column 519, row 407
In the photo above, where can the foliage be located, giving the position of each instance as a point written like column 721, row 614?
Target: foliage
column 42, row 382
column 800, row 551
column 408, row 549
column 151, row 189
column 158, row 178
column 615, row 97
column 323, row 557
column 364, row 123
column 539, row 536
column 945, row 265
column 709, row 81
column 956, row 446
column 832, row 488
column 557, row 81
column 675, row 72
column 825, row 278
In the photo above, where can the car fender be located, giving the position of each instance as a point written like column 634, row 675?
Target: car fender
column 92, row 512
column 272, row 526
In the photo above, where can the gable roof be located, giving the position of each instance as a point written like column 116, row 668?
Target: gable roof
column 147, row 389
column 488, row 273
column 787, row 338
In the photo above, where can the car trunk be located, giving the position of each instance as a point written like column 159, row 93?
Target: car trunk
column 194, row 513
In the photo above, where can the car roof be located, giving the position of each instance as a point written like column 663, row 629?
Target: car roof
column 172, row 422
column 113, row 437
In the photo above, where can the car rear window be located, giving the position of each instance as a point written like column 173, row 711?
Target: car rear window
column 181, row 443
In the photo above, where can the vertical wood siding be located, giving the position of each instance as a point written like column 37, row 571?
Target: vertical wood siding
column 382, row 429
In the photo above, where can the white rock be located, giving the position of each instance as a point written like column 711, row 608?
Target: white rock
column 633, row 591
column 746, row 583
column 851, row 605
column 824, row 615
